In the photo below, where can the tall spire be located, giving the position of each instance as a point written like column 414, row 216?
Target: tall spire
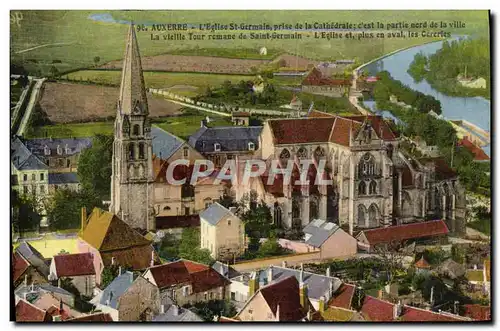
column 133, row 98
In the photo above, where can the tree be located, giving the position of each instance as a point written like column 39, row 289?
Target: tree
column 64, row 209
column 108, row 274
column 210, row 309
column 97, row 59
column 169, row 247
column 25, row 216
column 189, row 247
column 53, row 71
column 392, row 255
column 227, row 201
column 94, row 166
column 271, row 247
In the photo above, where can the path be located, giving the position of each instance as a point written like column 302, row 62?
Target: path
column 41, row 46
column 31, row 104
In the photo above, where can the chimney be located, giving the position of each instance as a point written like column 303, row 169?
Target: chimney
column 397, row 310
column 109, row 298
column 253, row 283
column 119, row 270
column 175, row 310
column 152, row 263
column 321, row 307
column 59, row 283
column 283, row 264
column 112, row 260
column 304, row 300
column 270, row 274
column 301, row 276
column 278, row 312
column 330, row 284
column 26, row 280
column 455, row 307
column 162, row 309
column 328, row 274
column 432, row 296
column 84, row 218
column 202, row 123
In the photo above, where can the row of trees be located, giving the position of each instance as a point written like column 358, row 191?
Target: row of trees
column 465, row 57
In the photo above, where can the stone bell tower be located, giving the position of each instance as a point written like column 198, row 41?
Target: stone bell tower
column 132, row 174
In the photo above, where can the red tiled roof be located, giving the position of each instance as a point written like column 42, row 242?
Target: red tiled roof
column 201, row 277
column 422, row 264
column 26, row 312
column 19, row 266
column 317, row 113
column 240, row 114
column 99, row 317
column 138, row 257
column 343, row 297
column 316, row 78
column 179, row 221
column 54, row 311
column 478, row 312
column 301, row 130
column 405, row 232
column 479, row 154
column 70, row 265
column 377, row 310
column 412, row 314
column 378, row 124
column 342, row 130
column 285, row 293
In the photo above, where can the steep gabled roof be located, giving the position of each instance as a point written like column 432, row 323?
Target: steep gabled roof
column 230, row 138
column 301, row 130
column 381, row 128
column 71, row 265
column 214, row 213
column 27, row 312
column 34, row 258
column 164, row 143
column 19, row 266
column 377, row 310
column 343, row 296
column 405, row 232
column 115, row 289
column 479, row 154
column 22, row 158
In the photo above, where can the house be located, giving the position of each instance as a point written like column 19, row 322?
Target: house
column 29, row 265
column 222, row 232
column 240, row 118
column 112, row 241
column 27, row 312
column 78, row 268
column 451, row 269
column 315, row 82
column 222, row 143
column 284, row 300
column 174, row 225
column 402, row 234
column 318, row 286
column 107, row 300
column 330, row 239
column 174, row 313
column 60, row 155
column 97, row 317
column 186, row 282
column 32, row 292
column 63, row 180
column 479, row 154
column 56, row 308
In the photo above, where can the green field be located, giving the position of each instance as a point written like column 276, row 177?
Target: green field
column 71, row 39
column 185, row 126
column 159, row 79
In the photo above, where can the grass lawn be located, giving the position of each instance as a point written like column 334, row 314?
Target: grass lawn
column 72, row 130
column 184, row 126
column 483, row 225
column 158, row 79
column 51, row 247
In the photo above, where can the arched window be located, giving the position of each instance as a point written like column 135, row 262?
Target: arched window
column 313, row 208
column 285, row 154
column 131, row 151
column 362, row 188
column 302, row 153
column 373, row 187
column 136, row 129
column 141, row 151
column 373, row 215
column 366, row 166
column 277, row 215
column 319, row 153
column 407, row 205
column 361, row 215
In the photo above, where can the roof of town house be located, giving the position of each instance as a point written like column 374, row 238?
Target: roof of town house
column 316, row 113
column 413, row 314
column 479, row 154
column 51, row 304
column 451, row 268
column 319, row 231
column 68, row 146
column 97, row 317
column 474, row 275
column 27, row 312
column 225, row 270
column 110, row 295
column 19, row 266
column 343, row 296
column 337, row 314
column 316, row 78
column 177, row 314
column 136, row 257
column 477, row 312
column 284, row 293
column 164, row 143
column 379, row 125
column 35, row 290
column 317, row 285
column 240, row 114
column 183, row 272
column 422, row 264
column 63, row 178
column 107, row 232
column 405, row 232
column 377, row 310
column 215, row 213
column 34, row 258
column 177, row 221
column 22, row 158
column 441, row 168
column 230, row 138
column 70, row 265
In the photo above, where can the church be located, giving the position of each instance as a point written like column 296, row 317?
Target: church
column 374, row 182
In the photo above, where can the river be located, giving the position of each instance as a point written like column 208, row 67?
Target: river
column 476, row 110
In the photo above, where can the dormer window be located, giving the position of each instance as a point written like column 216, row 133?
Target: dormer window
column 186, row 151
column 186, row 291
column 251, row 146
column 46, row 150
column 217, row 147
column 59, row 150
column 66, row 149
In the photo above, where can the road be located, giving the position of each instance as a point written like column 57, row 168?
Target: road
column 31, row 104
column 41, row 46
